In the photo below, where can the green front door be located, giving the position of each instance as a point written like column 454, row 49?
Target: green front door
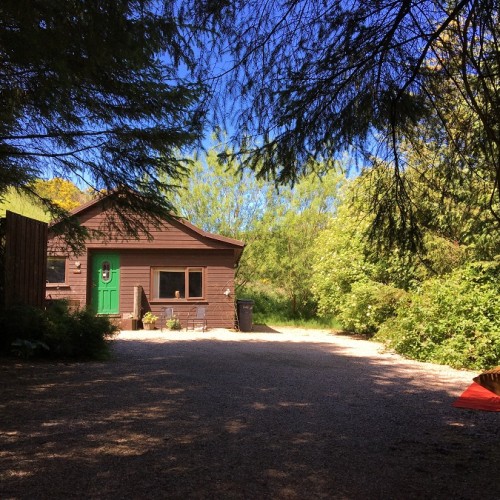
column 106, row 283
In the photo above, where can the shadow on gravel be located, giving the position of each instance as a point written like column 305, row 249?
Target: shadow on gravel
column 208, row 419
column 263, row 328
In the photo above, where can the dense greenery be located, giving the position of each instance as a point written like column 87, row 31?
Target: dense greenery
column 272, row 307
column 438, row 305
column 61, row 192
column 278, row 226
column 309, row 259
column 23, row 205
column 105, row 92
column 56, row 333
column 453, row 319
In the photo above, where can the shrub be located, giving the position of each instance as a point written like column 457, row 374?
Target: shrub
column 173, row 323
column 452, row 320
column 368, row 305
column 62, row 333
column 21, row 323
column 149, row 317
column 266, row 303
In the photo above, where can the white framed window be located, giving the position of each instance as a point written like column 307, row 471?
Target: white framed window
column 178, row 282
column 56, row 270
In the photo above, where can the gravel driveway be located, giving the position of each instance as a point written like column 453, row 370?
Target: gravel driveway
column 284, row 414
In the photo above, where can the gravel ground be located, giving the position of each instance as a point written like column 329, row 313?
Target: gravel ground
column 216, row 415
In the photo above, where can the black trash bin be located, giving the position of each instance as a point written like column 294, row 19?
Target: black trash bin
column 245, row 313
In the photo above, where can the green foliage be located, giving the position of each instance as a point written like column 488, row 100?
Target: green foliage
column 267, row 303
column 60, row 332
column 368, row 305
column 311, row 79
column 285, row 245
column 59, row 191
column 351, row 282
column 278, row 227
column 220, row 198
column 22, row 204
column 77, row 334
column 21, row 323
column 173, row 323
column 454, row 319
column 26, row 348
column 272, row 307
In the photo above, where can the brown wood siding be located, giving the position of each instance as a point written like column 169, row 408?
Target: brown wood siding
column 219, row 275
column 135, row 269
column 173, row 235
column 75, row 287
column 25, row 260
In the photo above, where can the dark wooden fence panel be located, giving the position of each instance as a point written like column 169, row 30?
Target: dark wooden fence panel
column 25, row 260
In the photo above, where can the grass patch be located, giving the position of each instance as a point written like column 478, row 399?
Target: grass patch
column 311, row 323
column 272, row 308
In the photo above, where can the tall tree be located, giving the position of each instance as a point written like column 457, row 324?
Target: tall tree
column 220, row 198
column 312, row 78
column 95, row 90
column 289, row 235
column 278, row 226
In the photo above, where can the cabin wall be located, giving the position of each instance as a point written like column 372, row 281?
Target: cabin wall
column 171, row 235
column 135, row 269
column 219, row 276
column 75, row 287
column 174, row 244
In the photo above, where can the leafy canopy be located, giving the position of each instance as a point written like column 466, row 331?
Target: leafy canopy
column 308, row 78
column 94, row 91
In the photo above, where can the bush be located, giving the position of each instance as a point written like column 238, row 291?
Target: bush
column 266, row 303
column 62, row 333
column 452, row 320
column 368, row 305
column 21, row 323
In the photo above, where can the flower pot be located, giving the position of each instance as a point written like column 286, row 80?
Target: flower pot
column 149, row 326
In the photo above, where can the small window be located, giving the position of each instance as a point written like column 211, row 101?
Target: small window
column 178, row 283
column 56, row 270
column 106, row 271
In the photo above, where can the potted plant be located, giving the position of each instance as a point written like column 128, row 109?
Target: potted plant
column 173, row 323
column 149, row 320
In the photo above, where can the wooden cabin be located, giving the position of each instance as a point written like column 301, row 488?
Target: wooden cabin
column 179, row 267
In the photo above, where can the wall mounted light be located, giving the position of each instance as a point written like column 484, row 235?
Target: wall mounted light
column 77, row 269
column 227, row 293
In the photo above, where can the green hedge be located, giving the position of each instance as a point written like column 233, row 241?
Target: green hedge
column 453, row 320
column 274, row 308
